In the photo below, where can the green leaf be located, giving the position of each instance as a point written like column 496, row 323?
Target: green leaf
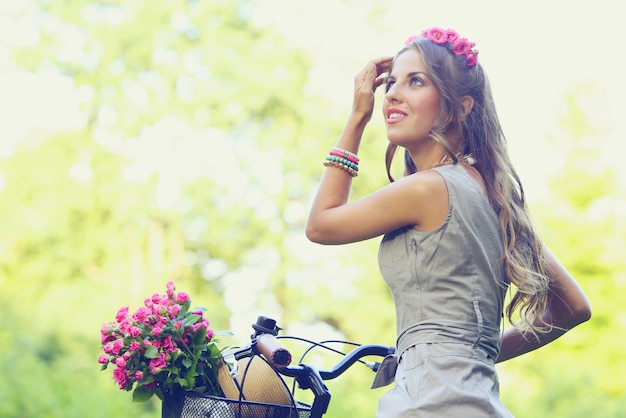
column 151, row 352
column 185, row 306
column 199, row 336
column 142, row 394
column 191, row 319
column 187, row 362
column 222, row 334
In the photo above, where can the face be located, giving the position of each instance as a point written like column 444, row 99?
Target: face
column 411, row 102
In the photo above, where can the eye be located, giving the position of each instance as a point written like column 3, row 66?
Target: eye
column 416, row 81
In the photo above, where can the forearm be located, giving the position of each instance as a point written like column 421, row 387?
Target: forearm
column 562, row 317
column 568, row 306
column 514, row 344
column 334, row 187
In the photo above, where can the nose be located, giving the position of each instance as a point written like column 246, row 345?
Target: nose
column 391, row 94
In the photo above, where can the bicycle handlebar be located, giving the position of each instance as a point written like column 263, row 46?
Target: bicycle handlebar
column 264, row 342
column 273, row 350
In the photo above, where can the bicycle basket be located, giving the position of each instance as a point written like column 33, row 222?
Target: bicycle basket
column 195, row 405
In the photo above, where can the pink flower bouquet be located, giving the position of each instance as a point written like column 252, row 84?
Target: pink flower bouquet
column 162, row 347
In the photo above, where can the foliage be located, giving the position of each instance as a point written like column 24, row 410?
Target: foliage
column 162, row 347
column 193, row 159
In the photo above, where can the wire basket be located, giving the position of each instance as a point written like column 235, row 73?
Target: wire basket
column 195, row 405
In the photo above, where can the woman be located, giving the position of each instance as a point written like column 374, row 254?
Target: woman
column 456, row 232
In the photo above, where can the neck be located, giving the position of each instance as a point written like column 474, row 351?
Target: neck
column 427, row 159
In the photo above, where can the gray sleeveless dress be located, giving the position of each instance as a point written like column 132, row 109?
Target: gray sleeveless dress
column 449, row 302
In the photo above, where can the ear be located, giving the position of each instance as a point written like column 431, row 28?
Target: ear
column 468, row 104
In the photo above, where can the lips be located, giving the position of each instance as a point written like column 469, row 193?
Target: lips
column 395, row 115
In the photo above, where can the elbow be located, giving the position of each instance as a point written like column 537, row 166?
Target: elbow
column 313, row 234
column 579, row 314
column 320, row 236
column 583, row 314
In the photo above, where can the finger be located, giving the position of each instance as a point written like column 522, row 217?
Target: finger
column 380, row 80
column 367, row 76
column 383, row 64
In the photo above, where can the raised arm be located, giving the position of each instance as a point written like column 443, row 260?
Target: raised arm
column 568, row 307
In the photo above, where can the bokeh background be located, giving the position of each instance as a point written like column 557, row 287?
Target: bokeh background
column 148, row 141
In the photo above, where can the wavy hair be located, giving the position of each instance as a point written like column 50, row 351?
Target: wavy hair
column 482, row 137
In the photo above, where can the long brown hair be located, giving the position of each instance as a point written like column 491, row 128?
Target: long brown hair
column 483, row 138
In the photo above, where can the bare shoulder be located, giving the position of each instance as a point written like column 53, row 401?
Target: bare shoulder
column 429, row 196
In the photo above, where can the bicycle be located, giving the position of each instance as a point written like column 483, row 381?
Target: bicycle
column 254, row 384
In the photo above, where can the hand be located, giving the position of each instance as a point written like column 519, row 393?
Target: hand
column 366, row 83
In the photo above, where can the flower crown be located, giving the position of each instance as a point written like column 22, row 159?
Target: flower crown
column 460, row 46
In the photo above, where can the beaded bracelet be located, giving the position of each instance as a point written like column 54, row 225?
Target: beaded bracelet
column 342, row 155
column 344, row 167
column 347, row 154
column 343, row 161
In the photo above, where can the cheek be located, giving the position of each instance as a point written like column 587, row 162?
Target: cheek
column 432, row 109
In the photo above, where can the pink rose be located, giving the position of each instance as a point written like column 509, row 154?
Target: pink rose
column 437, row 35
column 170, row 288
column 108, row 348
column 156, row 330
column 134, row 346
column 138, row 375
column 107, row 328
column 451, row 35
column 182, row 297
column 103, row 359
column 168, row 344
column 119, row 376
column 197, row 325
column 159, row 363
column 107, row 338
column 117, row 346
column 134, row 332
column 125, row 324
column 471, row 60
column 119, row 362
column 209, row 334
column 173, row 310
column 121, row 314
column 141, row 314
column 158, row 309
column 461, row 46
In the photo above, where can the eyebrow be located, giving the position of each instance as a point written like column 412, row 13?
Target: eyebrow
column 409, row 75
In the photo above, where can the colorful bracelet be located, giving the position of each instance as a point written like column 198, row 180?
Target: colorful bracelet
column 343, row 161
column 347, row 154
column 346, row 160
column 342, row 155
column 344, row 167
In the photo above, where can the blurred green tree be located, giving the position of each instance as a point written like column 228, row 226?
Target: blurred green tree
column 189, row 163
column 580, row 374
column 195, row 155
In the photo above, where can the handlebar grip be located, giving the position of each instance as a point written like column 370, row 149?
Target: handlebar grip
column 273, row 350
